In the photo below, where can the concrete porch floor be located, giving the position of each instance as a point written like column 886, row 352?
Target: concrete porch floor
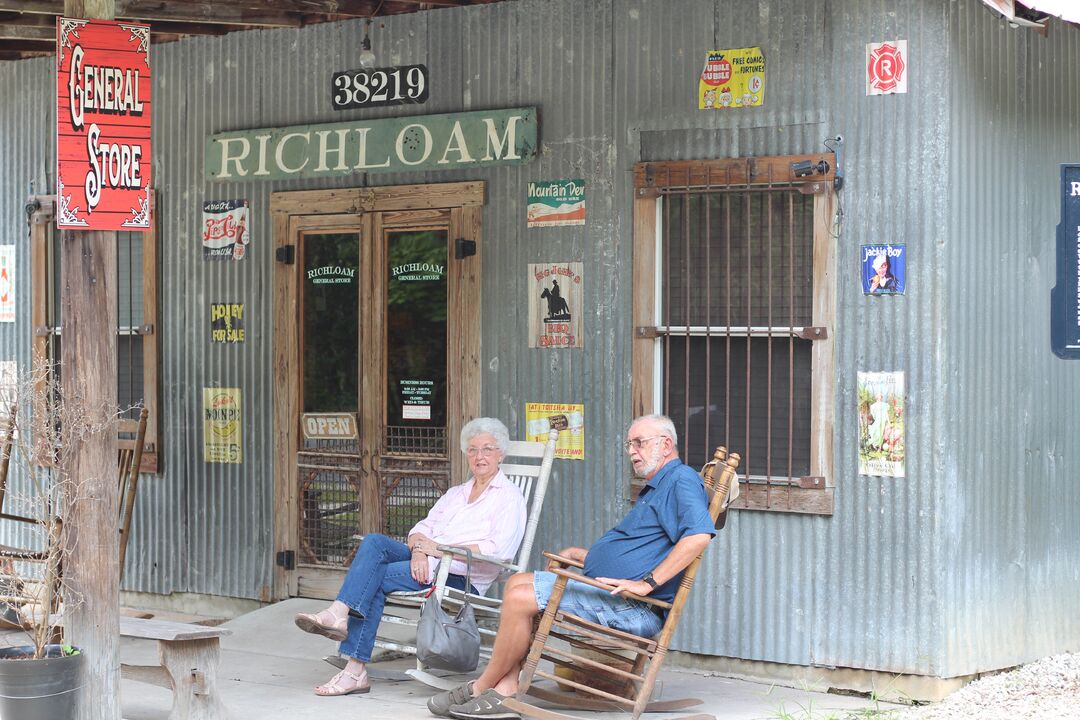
column 269, row 667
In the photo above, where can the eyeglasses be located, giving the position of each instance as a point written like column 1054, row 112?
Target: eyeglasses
column 636, row 443
column 485, row 450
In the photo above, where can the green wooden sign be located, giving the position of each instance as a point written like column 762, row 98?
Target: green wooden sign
column 425, row 142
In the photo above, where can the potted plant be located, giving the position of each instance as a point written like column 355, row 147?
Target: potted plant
column 39, row 678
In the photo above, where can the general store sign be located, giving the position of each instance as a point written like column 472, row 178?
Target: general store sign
column 426, row 142
column 103, row 125
column 1065, row 296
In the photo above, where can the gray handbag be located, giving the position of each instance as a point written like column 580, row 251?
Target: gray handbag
column 449, row 642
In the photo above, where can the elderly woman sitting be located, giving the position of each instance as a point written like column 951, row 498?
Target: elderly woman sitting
column 486, row 515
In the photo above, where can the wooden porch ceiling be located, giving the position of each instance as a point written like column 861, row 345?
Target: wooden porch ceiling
column 28, row 27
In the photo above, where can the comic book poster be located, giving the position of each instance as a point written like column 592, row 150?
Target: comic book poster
column 567, row 418
column 884, row 269
column 881, row 423
column 732, row 79
column 222, row 425
column 225, row 229
column 555, row 294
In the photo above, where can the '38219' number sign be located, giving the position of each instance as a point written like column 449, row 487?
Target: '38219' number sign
column 400, row 85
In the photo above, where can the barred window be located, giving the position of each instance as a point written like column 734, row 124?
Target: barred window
column 734, row 296
column 136, row 339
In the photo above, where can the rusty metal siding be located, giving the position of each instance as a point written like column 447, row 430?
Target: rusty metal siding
column 854, row 589
column 966, row 564
column 1014, row 497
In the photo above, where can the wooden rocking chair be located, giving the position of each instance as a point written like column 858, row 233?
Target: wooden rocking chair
column 129, row 459
column 614, row 681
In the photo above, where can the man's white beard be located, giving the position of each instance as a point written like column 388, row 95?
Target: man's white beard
column 650, row 467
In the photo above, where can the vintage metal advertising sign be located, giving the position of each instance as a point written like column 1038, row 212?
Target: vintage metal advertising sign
column 103, row 125
column 732, row 79
column 567, row 418
column 555, row 296
column 422, row 142
column 225, row 229
column 223, row 426
column 556, row 202
column 1065, row 297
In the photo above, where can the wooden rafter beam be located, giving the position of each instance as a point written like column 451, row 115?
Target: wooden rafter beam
column 28, row 32
column 150, row 10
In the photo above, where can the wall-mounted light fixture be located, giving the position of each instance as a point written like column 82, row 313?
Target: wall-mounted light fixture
column 367, row 57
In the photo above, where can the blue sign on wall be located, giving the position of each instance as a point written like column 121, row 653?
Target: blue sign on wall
column 1065, row 297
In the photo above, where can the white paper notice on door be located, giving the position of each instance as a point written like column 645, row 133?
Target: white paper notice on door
column 416, row 412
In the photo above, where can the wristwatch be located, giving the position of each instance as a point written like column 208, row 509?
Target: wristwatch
column 651, row 580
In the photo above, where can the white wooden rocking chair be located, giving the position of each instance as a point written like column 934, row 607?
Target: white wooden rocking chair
column 528, row 466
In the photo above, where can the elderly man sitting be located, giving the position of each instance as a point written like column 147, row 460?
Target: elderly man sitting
column 645, row 554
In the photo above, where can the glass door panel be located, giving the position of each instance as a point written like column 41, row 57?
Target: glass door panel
column 330, row 459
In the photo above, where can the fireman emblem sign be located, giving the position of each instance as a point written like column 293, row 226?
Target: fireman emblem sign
column 886, row 65
column 102, row 125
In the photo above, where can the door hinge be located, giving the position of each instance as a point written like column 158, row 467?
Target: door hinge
column 286, row 559
column 286, row 254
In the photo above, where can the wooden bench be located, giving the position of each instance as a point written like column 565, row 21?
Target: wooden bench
column 189, row 662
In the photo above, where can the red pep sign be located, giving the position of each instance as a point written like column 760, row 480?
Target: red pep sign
column 102, row 125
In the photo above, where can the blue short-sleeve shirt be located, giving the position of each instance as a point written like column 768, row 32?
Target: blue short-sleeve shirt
column 671, row 506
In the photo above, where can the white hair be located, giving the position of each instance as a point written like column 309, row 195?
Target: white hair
column 489, row 425
column 663, row 425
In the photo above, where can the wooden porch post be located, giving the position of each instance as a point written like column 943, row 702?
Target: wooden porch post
column 88, row 371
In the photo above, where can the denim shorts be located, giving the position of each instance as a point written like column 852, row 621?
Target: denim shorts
column 599, row 606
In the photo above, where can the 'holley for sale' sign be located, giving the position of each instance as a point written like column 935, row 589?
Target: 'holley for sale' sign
column 103, row 125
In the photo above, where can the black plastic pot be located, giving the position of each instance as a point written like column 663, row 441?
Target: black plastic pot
column 44, row 689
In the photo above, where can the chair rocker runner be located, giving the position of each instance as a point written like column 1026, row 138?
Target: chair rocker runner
column 532, row 479
column 628, row 682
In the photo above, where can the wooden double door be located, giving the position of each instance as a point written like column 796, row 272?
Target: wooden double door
column 376, row 366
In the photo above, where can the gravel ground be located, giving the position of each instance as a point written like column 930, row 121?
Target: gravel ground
column 1045, row 690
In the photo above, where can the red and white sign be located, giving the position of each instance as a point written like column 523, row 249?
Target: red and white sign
column 886, row 64
column 103, row 125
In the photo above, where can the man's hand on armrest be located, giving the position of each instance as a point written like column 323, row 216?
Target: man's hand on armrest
column 574, row 553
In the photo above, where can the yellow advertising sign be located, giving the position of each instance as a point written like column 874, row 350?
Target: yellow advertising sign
column 732, row 78
column 222, row 425
column 568, row 419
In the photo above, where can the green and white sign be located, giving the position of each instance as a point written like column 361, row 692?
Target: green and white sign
column 424, row 142
column 556, row 202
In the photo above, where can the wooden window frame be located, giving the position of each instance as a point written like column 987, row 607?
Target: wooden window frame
column 42, row 220
column 812, row 494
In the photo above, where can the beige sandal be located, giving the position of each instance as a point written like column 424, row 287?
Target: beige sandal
column 338, row 630
column 334, row 687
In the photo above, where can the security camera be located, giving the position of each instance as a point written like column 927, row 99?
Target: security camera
column 806, row 168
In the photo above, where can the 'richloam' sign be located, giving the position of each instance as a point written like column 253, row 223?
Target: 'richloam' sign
column 102, row 125
column 423, row 142
column 1065, row 297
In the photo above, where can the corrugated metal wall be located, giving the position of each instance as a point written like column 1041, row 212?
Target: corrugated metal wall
column 1013, row 497
column 878, row 584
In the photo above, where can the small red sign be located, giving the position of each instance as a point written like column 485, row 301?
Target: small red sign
column 886, row 68
column 103, row 125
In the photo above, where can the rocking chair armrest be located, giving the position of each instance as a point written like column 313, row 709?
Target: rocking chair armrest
column 557, row 560
column 604, row 586
column 477, row 557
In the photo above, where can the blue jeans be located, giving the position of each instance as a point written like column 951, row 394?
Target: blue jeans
column 599, row 606
column 381, row 566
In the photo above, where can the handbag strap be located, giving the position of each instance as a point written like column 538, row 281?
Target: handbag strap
column 468, row 571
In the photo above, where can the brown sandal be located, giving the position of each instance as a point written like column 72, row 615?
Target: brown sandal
column 311, row 623
column 334, row 688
